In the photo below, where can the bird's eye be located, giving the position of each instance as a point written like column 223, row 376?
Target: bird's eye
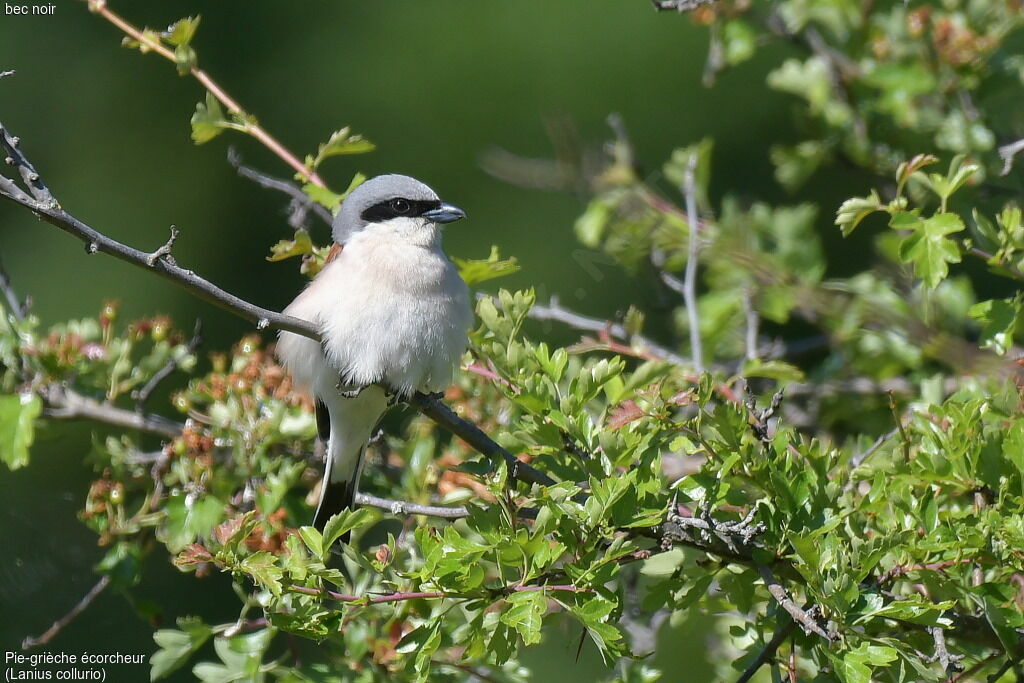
column 400, row 206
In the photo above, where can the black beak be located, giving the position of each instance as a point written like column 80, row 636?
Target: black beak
column 446, row 213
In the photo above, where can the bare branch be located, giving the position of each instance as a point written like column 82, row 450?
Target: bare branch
column 41, row 197
column 554, row 310
column 164, row 252
column 1008, row 152
column 766, row 654
column 800, row 615
column 64, row 404
column 950, row 662
column 51, row 212
column 753, row 322
column 269, row 182
column 18, row 308
column 679, row 5
column 432, row 595
column 30, row 642
column 858, row 460
column 401, row 507
column 690, row 275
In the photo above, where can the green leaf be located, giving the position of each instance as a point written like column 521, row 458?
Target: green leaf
column 740, row 40
column 794, row 165
column 182, row 31
column 300, row 245
column 208, row 120
column 340, row 142
column 930, row 250
column 17, row 427
column 525, row 614
column 342, row 523
column 999, row 322
column 474, row 271
column 175, row 647
column 263, row 569
column 853, row 211
column 313, row 539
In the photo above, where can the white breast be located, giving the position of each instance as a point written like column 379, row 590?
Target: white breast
column 390, row 312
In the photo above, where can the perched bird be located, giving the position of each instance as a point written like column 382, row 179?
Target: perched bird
column 393, row 313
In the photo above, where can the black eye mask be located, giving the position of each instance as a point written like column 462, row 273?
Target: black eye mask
column 398, row 207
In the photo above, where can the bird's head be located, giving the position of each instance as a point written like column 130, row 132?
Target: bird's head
column 396, row 205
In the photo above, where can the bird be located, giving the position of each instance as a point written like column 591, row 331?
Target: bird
column 394, row 317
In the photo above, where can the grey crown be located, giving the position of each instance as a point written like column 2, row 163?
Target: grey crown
column 375, row 190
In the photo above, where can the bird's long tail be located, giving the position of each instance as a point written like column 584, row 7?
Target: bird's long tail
column 347, row 425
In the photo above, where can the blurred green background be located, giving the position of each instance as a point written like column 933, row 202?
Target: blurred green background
column 436, row 85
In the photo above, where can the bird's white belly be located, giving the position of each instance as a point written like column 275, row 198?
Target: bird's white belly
column 407, row 330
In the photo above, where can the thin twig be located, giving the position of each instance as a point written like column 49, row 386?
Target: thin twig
column 401, row 507
column 431, row 595
column 679, row 5
column 690, row 275
column 753, row 321
column 165, row 250
column 801, row 616
column 766, row 654
column 63, row 403
column 17, row 308
column 555, row 311
column 859, row 459
column 30, row 642
column 250, row 126
column 1008, row 152
column 279, row 184
column 950, row 663
column 96, row 241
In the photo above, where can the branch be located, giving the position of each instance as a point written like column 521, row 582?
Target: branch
column 30, row 642
column 431, row 595
column 1008, row 152
column 401, row 507
column 280, row 184
column 250, row 127
column 554, row 310
column 47, row 208
column 64, row 404
column 765, row 655
column 679, row 5
column 17, row 308
column 800, row 615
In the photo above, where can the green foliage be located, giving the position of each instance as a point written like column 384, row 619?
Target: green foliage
column 17, row 428
column 341, row 142
column 475, row 271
